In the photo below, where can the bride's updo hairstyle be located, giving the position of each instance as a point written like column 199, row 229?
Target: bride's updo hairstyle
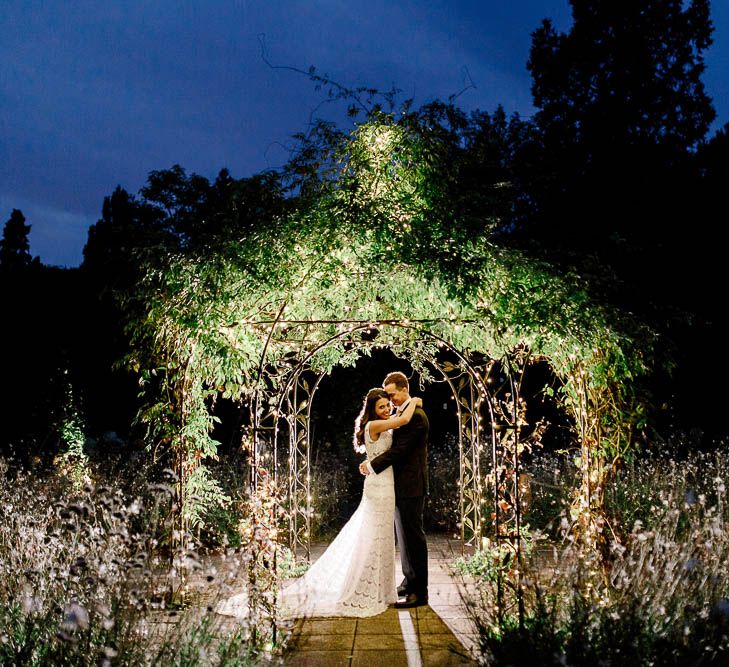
column 367, row 415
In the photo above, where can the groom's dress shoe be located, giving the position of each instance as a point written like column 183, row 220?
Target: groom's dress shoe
column 411, row 600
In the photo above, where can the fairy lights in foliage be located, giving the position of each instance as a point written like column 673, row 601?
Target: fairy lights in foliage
column 377, row 242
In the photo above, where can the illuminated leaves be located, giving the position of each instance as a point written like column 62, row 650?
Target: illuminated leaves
column 376, row 248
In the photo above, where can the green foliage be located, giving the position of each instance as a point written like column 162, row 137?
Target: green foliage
column 73, row 461
column 376, row 234
column 206, row 496
column 287, row 565
column 330, row 486
column 609, row 79
column 552, row 480
column 202, row 642
column 442, row 511
column 82, row 580
column 644, row 491
column 621, row 109
column 497, row 560
column 538, row 642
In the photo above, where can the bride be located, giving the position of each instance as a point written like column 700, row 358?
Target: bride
column 355, row 576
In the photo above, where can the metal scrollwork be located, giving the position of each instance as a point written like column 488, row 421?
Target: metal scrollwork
column 488, row 406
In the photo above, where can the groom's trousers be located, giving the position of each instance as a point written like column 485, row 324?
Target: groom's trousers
column 412, row 544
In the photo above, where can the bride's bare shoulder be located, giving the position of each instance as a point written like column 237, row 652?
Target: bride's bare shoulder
column 374, row 428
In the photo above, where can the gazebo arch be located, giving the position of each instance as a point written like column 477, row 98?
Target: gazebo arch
column 294, row 403
column 221, row 329
column 483, row 442
column 375, row 241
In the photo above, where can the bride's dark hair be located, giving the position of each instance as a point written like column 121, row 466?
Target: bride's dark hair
column 367, row 415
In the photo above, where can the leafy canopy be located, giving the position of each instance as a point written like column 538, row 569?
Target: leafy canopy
column 375, row 236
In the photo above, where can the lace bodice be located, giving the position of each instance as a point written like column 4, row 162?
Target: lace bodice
column 377, row 447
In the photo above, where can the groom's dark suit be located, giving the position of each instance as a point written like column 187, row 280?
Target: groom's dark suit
column 408, row 457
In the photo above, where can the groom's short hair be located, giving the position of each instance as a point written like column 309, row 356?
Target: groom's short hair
column 398, row 379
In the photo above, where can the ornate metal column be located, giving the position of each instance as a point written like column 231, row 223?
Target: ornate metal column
column 508, row 417
column 299, row 492
column 470, row 483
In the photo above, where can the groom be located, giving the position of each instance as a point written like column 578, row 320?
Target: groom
column 408, row 457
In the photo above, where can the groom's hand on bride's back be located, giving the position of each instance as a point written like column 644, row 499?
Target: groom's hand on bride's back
column 363, row 468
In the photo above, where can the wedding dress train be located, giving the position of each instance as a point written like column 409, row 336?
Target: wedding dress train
column 355, row 576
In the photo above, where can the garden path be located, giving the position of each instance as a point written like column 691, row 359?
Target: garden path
column 438, row 634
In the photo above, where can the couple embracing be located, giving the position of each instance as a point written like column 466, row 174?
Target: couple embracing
column 355, row 576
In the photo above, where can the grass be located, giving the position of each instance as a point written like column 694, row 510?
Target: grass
column 85, row 579
column 86, row 576
column 662, row 599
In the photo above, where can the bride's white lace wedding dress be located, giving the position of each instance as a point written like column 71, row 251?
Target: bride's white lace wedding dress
column 355, row 576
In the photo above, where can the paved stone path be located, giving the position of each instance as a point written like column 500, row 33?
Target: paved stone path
column 438, row 634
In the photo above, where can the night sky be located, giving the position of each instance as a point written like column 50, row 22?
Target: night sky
column 99, row 93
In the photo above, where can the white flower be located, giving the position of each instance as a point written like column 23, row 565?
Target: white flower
column 29, row 605
column 76, row 618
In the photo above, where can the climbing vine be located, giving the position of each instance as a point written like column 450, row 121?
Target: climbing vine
column 373, row 237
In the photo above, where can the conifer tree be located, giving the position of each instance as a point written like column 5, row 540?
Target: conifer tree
column 14, row 246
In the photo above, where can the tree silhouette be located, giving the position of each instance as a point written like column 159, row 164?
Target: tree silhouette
column 196, row 214
column 621, row 107
column 14, row 246
column 125, row 226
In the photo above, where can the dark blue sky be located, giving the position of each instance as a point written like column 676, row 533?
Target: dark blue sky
column 95, row 93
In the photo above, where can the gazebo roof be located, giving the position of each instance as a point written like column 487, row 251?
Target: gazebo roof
column 284, row 294
column 378, row 245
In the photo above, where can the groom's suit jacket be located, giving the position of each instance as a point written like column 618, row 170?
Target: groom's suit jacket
column 408, row 457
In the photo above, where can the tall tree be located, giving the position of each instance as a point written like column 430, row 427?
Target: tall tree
column 621, row 105
column 198, row 214
column 125, row 226
column 14, row 246
column 622, row 112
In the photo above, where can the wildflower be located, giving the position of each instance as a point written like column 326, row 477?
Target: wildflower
column 76, row 618
column 64, row 636
column 80, row 509
column 29, row 605
column 135, row 507
column 191, row 562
